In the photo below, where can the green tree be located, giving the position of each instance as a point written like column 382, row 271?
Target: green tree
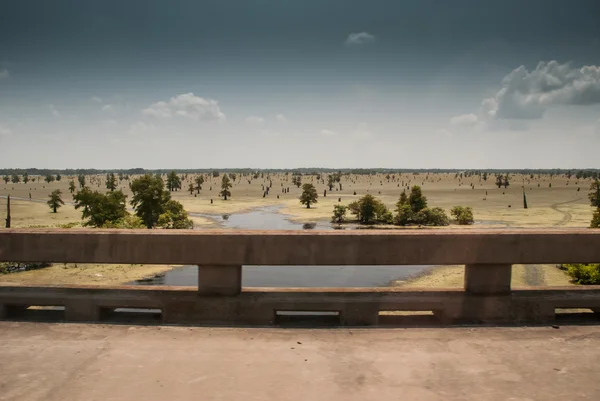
column 6, row 179
column 15, row 179
column 339, row 213
column 100, row 209
column 369, row 210
column 149, row 198
column 403, row 200
column 416, row 199
column 431, row 217
column 225, row 185
column 55, row 200
column 111, row 181
column 173, row 181
column 49, row 178
column 174, row 216
column 594, row 194
column 191, row 188
column 25, row 178
column 404, row 215
column 72, row 187
column 58, row 177
column 596, row 219
column 462, row 214
column 233, row 176
column 309, row 195
column 81, row 179
column 499, row 180
column 199, row 180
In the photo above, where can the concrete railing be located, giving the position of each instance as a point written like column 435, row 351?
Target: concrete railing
column 488, row 256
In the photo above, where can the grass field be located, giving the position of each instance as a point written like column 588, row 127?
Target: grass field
column 560, row 205
column 563, row 204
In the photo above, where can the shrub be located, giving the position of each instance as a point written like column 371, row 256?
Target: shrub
column 369, row 210
column 596, row 219
column 584, row 273
column 431, row 217
column 339, row 213
column 404, row 215
column 462, row 214
column 128, row 222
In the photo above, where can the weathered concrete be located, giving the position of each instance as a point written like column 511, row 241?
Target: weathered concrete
column 488, row 278
column 220, row 280
column 56, row 362
column 356, row 307
column 360, row 247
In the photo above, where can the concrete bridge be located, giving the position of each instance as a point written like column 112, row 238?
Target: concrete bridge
column 487, row 296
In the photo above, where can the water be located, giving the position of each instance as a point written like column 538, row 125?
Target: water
column 268, row 218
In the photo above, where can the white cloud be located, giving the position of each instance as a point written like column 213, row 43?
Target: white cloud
column 96, row 99
column 527, row 95
column 359, row 38
column 464, row 120
column 186, row 105
column 107, row 107
column 4, row 74
column 362, row 131
column 255, row 120
column 5, row 131
column 140, row 127
column 327, row 132
column 443, row 132
column 54, row 112
column 281, row 118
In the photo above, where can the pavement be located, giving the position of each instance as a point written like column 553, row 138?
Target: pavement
column 53, row 361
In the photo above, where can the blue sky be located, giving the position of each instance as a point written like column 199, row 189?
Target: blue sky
column 272, row 83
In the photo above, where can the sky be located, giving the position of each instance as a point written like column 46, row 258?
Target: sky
column 312, row 83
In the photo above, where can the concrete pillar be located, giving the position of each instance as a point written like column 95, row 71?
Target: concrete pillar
column 488, row 279
column 220, row 280
column 82, row 311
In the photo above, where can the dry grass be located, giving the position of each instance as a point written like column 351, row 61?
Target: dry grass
column 96, row 274
column 561, row 204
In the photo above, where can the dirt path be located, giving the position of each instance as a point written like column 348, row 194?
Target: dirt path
column 534, row 276
column 566, row 215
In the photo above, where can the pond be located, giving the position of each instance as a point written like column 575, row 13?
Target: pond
column 269, row 218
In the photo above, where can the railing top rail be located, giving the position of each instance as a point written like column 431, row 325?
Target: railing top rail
column 306, row 247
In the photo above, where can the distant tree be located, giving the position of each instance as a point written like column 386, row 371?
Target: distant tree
column 49, row 178
column 462, row 214
column 173, row 181
column 58, row 177
column 594, row 194
column 55, row 200
column 111, row 181
column 339, row 213
column 191, row 188
column 174, row 216
column 297, row 180
column 416, row 199
column 100, row 209
column 6, row 179
column 81, row 179
column 499, row 181
column 225, row 185
column 25, row 178
column 485, row 175
column 215, row 174
column 199, row 181
column 330, row 181
column 15, row 179
column 149, row 198
column 72, row 186
column 233, row 176
column 309, row 195
column 505, row 182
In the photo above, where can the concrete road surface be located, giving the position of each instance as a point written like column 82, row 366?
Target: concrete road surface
column 102, row 362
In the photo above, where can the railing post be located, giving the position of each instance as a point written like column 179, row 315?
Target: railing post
column 220, row 280
column 482, row 279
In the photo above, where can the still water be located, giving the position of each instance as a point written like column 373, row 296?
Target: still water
column 269, row 218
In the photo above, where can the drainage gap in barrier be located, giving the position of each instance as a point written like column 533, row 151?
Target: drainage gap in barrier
column 576, row 315
column 307, row 318
column 37, row 313
column 131, row 315
column 408, row 318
